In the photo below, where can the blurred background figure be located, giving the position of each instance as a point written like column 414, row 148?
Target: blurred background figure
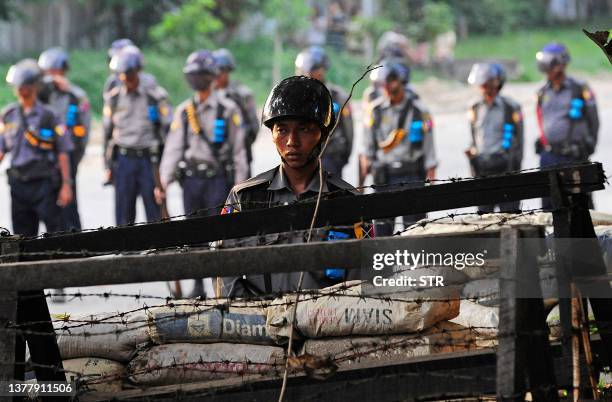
column 314, row 62
column 398, row 140
column 241, row 95
column 113, row 79
column 496, row 125
column 566, row 112
column 337, row 25
column 70, row 104
column 136, row 119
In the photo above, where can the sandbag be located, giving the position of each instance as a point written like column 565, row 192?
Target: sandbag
column 187, row 362
column 206, row 322
column 341, row 311
column 100, row 375
column 112, row 337
column 482, row 291
column 483, row 319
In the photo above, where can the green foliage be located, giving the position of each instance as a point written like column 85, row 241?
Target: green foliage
column 189, row 27
column 420, row 20
column 290, row 16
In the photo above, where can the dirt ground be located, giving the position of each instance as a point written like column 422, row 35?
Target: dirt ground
column 448, row 102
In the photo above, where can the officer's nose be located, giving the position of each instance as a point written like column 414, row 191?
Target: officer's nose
column 293, row 139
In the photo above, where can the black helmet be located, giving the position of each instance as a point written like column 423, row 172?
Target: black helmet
column 118, row 45
column 311, row 59
column 551, row 55
column 392, row 69
column 127, row 59
column 54, row 58
column 25, row 72
column 200, row 69
column 483, row 72
column 224, row 59
column 300, row 97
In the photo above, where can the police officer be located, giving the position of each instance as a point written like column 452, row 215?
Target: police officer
column 39, row 175
column 241, row 95
column 566, row 112
column 496, row 125
column 299, row 114
column 113, row 79
column 314, row 62
column 69, row 102
column 136, row 117
column 398, row 139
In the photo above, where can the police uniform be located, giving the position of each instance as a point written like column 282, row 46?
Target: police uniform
column 497, row 138
column 73, row 109
column 34, row 139
column 340, row 145
column 113, row 81
column 243, row 97
column 401, row 158
column 205, row 151
column 270, row 189
column 136, row 123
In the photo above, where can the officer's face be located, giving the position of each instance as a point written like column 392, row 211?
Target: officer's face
column 393, row 88
column 129, row 79
column 489, row 88
column 555, row 72
column 26, row 91
column 222, row 79
column 295, row 139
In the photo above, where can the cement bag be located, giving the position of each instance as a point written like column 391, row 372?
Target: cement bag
column 187, row 362
column 204, row 322
column 112, row 337
column 342, row 312
column 100, row 375
column 482, row 291
column 489, row 269
column 483, row 319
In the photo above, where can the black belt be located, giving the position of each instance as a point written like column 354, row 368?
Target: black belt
column 204, row 170
column 137, row 153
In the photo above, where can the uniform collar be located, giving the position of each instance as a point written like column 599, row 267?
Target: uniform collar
column 496, row 102
column 564, row 84
column 210, row 102
column 387, row 103
column 140, row 89
column 280, row 182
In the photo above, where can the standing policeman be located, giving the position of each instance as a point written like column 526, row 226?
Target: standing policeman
column 69, row 102
column 39, row 175
column 299, row 114
column 566, row 112
column 135, row 121
column 113, row 79
column 496, row 125
column 314, row 62
column 398, row 138
column 239, row 94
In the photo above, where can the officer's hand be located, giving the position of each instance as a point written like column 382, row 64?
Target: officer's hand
column 65, row 195
column 109, row 177
column 61, row 83
column 160, row 195
column 431, row 174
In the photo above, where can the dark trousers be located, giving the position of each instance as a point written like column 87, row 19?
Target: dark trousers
column 384, row 227
column 548, row 159
column 333, row 164
column 70, row 213
column 32, row 202
column 206, row 194
column 133, row 176
column 510, row 206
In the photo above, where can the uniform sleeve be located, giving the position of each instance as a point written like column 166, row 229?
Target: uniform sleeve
column 592, row 116
column 64, row 139
column 239, row 155
column 173, row 150
column 165, row 110
column 369, row 146
column 252, row 119
column 3, row 146
column 520, row 136
column 85, row 115
column 347, row 128
column 429, row 148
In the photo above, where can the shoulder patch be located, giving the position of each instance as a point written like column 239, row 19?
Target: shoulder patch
column 8, row 109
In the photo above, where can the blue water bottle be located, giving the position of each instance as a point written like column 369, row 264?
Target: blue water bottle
column 336, row 274
column 219, row 131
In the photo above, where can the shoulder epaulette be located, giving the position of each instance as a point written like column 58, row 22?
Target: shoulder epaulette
column 8, row 108
column 340, row 184
column 262, row 178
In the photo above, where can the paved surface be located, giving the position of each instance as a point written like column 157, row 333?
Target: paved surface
column 448, row 103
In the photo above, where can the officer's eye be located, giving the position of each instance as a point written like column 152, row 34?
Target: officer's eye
column 280, row 130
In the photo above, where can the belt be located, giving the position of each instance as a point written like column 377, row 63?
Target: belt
column 198, row 169
column 137, row 153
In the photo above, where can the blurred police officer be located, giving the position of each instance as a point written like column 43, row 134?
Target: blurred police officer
column 299, row 114
column 39, row 174
column 241, row 95
column 496, row 124
column 70, row 104
column 398, row 137
column 113, row 79
column 314, row 62
column 136, row 117
column 566, row 112
column 205, row 150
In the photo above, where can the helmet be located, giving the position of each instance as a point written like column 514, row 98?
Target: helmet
column 200, row 69
column 128, row 58
column 392, row 69
column 54, row 58
column 117, row 45
column 224, row 59
column 311, row 59
column 300, row 97
column 483, row 72
column 25, row 72
column 551, row 55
